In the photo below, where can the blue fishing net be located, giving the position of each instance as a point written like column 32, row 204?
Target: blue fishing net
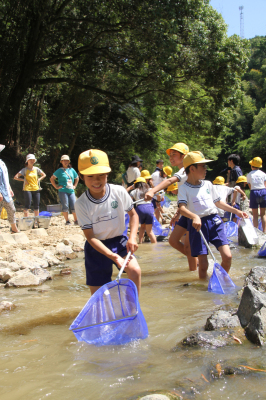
column 220, row 282
column 262, row 251
column 166, row 202
column 112, row 316
column 260, row 225
column 158, row 229
column 127, row 223
column 231, row 229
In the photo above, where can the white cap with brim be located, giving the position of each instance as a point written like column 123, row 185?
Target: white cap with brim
column 30, row 157
column 2, row 146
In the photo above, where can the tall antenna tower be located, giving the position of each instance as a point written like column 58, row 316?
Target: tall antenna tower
column 241, row 22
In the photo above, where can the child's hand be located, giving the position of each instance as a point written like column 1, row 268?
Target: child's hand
column 119, row 260
column 233, row 203
column 132, row 245
column 242, row 214
column 148, row 195
column 196, row 223
column 175, row 218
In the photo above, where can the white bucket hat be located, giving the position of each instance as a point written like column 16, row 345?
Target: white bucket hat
column 2, row 146
column 30, row 157
column 65, row 157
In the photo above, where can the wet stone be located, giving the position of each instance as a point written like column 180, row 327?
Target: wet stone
column 257, row 278
column 207, row 339
column 222, row 319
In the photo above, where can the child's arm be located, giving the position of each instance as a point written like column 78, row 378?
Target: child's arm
column 101, row 248
column 196, row 221
column 163, row 185
column 237, row 189
column 226, row 207
column 134, row 226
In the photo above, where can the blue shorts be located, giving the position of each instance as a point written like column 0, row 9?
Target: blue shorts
column 227, row 214
column 258, row 198
column 99, row 268
column 145, row 213
column 154, row 203
column 183, row 222
column 213, row 230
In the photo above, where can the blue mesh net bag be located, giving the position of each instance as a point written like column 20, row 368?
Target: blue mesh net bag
column 260, row 225
column 112, row 316
column 231, row 229
column 157, row 228
column 220, row 282
column 166, row 202
column 262, row 251
column 127, row 224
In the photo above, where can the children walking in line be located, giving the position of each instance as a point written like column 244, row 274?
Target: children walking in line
column 198, row 200
column 256, row 180
column 145, row 210
column 176, row 155
column 101, row 215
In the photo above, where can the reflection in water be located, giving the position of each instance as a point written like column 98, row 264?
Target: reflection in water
column 41, row 358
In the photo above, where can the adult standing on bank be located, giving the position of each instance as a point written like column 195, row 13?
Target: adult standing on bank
column 67, row 183
column 133, row 171
column 6, row 195
column 31, row 184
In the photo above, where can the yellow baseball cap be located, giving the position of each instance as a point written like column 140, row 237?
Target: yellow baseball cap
column 172, row 187
column 181, row 147
column 241, row 178
column 219, row 180
column 140, row 179
column 93, row 162
column 256, row 162
column 167, row 170
column 194, row 157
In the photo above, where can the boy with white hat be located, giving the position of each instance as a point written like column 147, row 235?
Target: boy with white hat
column 256, row 180
column 198, row 200
column 101, row 215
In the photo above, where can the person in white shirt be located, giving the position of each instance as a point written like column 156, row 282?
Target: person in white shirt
column 133, row 171
column 256, row 180
column 198, row 200
column 144, row 209
column 101, row 215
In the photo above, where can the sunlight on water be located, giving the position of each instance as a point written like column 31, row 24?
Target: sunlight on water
column 40, row 358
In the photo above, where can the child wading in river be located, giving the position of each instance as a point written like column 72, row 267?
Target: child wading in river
column 176, row 155
column 256, row 180
column 101, row 215
column 198, row 200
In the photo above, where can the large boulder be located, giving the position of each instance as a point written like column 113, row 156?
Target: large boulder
column 222, row 319
column 25, row 259
column 62, row 249
column 257, row 278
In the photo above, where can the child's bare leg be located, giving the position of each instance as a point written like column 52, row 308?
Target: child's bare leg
column 226, row 257
column 255, row 213
column 141, row 232
column 192, row 261
column 150, row 233
column 134, row 272
column 263, row 219
column 174, row 239
column 157, row 213
column 203, row 266
column 93, row 289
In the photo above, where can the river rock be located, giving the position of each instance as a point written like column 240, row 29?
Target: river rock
column 222, row 319
column 6, row 274
column 26, row 278
column 25, row 259
column 63, row 249
column 6, row 305
column 21, row 238
column 256, row 278
column 155, row 397
column 76, row 240
column 207, row 339
column 7, row 237
column 39, row 232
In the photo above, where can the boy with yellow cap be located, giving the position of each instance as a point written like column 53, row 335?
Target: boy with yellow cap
column 176, row 155
column 198, row 200
column 101, row 215
column 256, row 180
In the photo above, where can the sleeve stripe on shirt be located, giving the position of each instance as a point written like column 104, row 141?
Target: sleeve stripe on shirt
column 218, row 199
column 86, row 227
column 182, row 201
column 130, row 208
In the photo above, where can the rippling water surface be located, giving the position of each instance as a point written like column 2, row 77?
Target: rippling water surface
column 40, row 358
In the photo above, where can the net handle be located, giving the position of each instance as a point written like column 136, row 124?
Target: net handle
column 123, row 266
column 207, row 245
column 155, row 194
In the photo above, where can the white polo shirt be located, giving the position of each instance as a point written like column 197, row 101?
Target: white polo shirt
column 181, row 176
column 199, row 199
column 223, row 192
column 136, row 196
column 157, row 178
column 256, row 179
column 106, row 216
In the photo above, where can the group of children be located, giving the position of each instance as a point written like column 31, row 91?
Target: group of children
column 101, row 212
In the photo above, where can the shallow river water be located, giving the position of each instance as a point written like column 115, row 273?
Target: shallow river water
column 40, row 358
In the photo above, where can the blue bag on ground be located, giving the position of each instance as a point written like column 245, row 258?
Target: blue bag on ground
column 231, row 229
column 262, row 251
column 158, row 230
column 45, row 214
column 220, row 282
column 166, row 202
column 112, row 316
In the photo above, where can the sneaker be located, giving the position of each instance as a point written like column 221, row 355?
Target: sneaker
column 68, row 223
column 76, row 222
